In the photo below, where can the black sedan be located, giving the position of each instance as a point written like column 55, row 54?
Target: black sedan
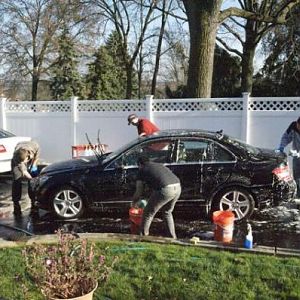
column 217, row 172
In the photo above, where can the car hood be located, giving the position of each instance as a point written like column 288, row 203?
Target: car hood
column 71, row 165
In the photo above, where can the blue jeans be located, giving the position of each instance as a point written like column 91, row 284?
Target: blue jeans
column 164, row 199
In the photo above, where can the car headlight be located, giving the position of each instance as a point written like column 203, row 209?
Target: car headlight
column 37, row 182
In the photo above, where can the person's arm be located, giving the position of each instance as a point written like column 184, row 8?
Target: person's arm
column 27, row 175
column 23, row 169
column 36, row 156
column 139, row 188
column 285, row 140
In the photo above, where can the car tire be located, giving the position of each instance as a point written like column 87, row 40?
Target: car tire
column 67, row 203
column 236, row 199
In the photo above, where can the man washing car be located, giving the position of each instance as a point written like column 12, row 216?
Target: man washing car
column 23, row 166
column 292, row 135
column 144, row 126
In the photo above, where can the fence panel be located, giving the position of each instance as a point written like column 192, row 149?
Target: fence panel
column 56, row 126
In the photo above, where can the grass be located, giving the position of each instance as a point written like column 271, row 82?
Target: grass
column 156, row 271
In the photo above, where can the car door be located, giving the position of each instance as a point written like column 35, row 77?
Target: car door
column 190, row 153
column 217, row 168
column 201, row 165
column 116, row 186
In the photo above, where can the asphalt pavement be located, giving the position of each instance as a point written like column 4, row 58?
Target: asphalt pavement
column 6, row 204
column 276, row 227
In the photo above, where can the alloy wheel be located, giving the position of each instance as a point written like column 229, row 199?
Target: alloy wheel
column 239, row 202
column 67, row 204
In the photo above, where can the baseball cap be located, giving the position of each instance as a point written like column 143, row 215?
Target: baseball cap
column 131, row 117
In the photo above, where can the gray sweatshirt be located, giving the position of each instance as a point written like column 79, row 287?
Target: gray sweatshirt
column 292, row 134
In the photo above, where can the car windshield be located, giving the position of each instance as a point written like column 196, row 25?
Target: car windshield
column 248, row 148
column 5, row 134
column 116, row 153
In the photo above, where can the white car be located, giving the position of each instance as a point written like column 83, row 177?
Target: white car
column 8, row 142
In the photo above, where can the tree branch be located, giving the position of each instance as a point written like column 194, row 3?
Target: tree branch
column 234, row 33
column 279, row 18
column 229, row 48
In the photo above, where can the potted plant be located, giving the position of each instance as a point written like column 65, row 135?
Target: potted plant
column 68, row 269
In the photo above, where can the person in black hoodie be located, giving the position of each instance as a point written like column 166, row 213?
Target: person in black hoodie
column 165, row 191
column 292, row 135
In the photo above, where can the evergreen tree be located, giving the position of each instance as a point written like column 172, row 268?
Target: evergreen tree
column 280, row 75
column 226, row 77
column 102, row 79
column 66, row 81
column 226, row 74
column 107, row 74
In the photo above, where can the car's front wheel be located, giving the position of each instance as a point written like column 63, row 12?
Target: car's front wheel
column 236, row 199
column 67, row 203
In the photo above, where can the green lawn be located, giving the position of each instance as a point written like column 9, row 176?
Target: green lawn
column 158, row 271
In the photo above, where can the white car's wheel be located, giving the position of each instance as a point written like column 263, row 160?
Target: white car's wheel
column 67, row 203
column 237, row 200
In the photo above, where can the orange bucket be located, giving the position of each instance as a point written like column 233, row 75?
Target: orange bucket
column 224, row 223
column 135, row 217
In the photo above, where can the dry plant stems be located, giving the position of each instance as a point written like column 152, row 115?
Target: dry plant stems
column 67, row 269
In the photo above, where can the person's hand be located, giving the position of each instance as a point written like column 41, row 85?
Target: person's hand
column 134, row 204
column 34, row 170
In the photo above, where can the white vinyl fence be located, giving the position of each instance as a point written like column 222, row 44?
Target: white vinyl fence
column 57, row 125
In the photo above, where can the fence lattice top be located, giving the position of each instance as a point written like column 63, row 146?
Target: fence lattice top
column 164, row 105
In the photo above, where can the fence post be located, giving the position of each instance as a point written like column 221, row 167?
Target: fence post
column 149, row 103
column 74, row 113
column 3, row 123
column 245, row 118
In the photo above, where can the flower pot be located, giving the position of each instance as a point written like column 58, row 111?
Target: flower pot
column 88, row 296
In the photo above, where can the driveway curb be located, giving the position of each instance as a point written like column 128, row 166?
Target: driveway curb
column 96, row 237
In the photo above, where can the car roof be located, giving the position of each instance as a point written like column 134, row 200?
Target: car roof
column 188, row 132
column 5, row 134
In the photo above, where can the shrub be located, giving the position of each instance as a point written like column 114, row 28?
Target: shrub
column 67, row 269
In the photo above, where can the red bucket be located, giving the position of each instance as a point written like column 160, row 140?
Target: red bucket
column 224, row 223
column 135, row 217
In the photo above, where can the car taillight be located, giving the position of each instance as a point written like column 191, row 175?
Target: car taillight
column 2, row 149
column 282, row 173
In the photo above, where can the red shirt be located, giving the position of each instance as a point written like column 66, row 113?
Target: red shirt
column 147, row 127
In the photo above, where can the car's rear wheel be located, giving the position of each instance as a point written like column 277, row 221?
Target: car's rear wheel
column 67, row 203
column 236, row 199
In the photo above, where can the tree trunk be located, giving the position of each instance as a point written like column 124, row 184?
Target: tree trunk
column 140, row 73
column 248, row 58
column 34, row 87
column 203, row 24
column 158, row 50
column 129, row 69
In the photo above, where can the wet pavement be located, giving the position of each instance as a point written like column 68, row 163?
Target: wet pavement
column 276, row 227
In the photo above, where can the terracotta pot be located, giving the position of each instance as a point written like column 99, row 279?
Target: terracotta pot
column 88, row 296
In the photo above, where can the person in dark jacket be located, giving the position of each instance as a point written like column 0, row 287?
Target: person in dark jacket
column 23, row 166
column 144, row 126
column 165, row 191
column 292, row 135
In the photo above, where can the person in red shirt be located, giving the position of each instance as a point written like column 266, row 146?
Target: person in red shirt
column 144, row 126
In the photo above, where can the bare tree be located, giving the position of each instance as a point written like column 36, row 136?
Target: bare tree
column 123, row 15
column 28, row 30
column 249, row 33
column 204, row 18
